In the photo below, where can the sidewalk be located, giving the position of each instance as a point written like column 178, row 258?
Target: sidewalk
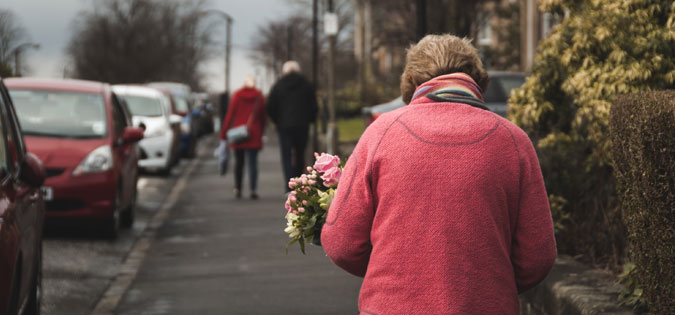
column 219, row 255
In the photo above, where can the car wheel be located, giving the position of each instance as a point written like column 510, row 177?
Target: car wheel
column 35, row 300
column 112, row 224
column 129, row 213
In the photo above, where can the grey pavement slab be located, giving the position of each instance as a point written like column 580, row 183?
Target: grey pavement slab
column 216, row 254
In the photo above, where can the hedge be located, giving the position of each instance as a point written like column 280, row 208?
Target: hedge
column 642, row 132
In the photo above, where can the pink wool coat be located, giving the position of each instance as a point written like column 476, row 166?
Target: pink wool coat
column 442, row 208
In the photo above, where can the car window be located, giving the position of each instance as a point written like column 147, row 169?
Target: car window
column 144, row 106
column 181, row 104
column 60, row 114
column 12, row 134
column 500, row 87
column 4, row 161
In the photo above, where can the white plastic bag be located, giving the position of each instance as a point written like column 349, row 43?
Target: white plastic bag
column 223, row 154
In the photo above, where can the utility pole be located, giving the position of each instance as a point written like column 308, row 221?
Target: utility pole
column 421, row 18
column 289, row 42
column 332, row 127
column 228, row 49
column 315, row 65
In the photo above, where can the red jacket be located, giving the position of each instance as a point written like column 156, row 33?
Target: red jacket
column 239, row 112
column 442, row 208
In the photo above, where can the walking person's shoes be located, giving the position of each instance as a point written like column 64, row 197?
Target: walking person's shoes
column 237, row 193
column 254, row 196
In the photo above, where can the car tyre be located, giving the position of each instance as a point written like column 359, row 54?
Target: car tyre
column 112, row 224
column 35, row 299
column 129, row 214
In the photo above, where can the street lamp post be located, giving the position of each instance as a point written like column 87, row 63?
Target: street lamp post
column 228, row 45
column 17, row 53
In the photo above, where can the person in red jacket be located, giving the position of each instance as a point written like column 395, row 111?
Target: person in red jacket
column 442, row 206
column 246, row 108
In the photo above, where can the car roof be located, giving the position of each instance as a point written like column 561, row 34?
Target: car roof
column 505, row 74
column 138, row 90
column 71, row 85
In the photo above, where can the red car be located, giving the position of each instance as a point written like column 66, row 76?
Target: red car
column 22, row 213
column 83, row 134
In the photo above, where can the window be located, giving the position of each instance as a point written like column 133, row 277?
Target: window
column 4, row 165
column 484, row 29
column 60, row 114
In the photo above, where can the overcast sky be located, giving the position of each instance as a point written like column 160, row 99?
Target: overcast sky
column 50, row 22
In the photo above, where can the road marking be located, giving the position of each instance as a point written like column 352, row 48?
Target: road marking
column 129, row 269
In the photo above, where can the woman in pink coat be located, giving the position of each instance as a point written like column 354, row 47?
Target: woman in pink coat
column 247, row 107
column 442, row 206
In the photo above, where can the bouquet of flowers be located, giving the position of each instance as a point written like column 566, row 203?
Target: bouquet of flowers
column 309, row 199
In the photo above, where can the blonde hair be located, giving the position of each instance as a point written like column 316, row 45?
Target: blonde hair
column 436, row 55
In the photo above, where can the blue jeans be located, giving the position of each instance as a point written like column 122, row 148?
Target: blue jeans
column 293, row 144
column 252, row 160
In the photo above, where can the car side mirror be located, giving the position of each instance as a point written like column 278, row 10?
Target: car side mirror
column 175, row 119
column 33, row 171
column 132, row 135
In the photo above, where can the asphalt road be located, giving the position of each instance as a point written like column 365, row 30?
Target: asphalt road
column 79, row 263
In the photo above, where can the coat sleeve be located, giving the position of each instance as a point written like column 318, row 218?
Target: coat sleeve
column 533, row 250
column 273, row 104
column 345, row 236
column 262, row 114
column 227, row 122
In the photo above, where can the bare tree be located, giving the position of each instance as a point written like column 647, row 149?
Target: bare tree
column 122, row 41
column 291, row 37
column 11, row 35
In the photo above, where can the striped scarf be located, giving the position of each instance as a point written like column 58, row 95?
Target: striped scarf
column 449, row 86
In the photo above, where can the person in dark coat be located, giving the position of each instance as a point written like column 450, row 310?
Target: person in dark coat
column 246, row 108
column 292, row 107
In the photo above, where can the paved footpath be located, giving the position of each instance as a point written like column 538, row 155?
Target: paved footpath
column 215, row 254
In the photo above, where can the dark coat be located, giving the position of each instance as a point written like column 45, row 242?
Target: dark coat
column 239, row 112
column 292, row 102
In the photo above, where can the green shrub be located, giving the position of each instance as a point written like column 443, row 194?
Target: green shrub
column 601, row 49
column 642, row 129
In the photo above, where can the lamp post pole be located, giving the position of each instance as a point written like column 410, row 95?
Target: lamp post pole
column 228, row 44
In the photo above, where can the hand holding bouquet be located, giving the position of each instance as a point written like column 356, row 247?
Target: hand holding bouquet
column 310, row 198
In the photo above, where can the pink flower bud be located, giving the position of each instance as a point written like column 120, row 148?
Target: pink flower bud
column 304, row 202
column 309, row 169
column 311, row 182
column 301, row 209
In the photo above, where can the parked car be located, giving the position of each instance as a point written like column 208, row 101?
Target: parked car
column 22, row 212
column 206, row 113
column 84, row 136
column 181, row 96
column 151, row 111
column 499, row 89
column 496, row 96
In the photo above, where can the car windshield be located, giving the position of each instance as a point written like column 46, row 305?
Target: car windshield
column 60, row 114
column 499, row 89
column 181, row 104
column 143, row 106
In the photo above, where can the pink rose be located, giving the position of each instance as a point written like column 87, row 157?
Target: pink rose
column 288, row 206
column 331, row 177
column 325, row 162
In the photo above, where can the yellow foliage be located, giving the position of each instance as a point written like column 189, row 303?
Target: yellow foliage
column 601, row 49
